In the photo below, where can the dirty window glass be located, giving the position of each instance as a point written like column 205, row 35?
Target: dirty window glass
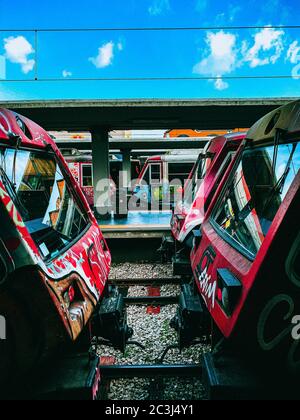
column 180, row 171
column 87, row 177
column 255, row 194
column 42, row 195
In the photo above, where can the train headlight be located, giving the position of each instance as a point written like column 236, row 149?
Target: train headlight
column 230, row 289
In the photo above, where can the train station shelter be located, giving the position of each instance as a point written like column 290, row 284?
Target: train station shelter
column 102, row 116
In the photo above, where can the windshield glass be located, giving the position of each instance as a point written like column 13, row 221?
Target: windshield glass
column 199, row 171
column 41, row 193
column 256, row 192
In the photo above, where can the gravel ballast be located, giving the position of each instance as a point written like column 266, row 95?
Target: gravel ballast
column 155, row 333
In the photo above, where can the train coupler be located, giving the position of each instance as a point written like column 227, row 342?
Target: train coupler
column 192, row 320
column 167, row 249
column 181, row 265
column 110, row 322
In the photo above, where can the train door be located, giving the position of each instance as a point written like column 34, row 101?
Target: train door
column 177, row 174
column 155, row 192
column 149, row 185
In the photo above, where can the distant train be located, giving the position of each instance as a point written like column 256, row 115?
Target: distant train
column 162, row 175
column 81, row 167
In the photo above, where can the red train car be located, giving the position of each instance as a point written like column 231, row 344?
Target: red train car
column 80, row 165
column 246, row 267
column 202, row 183
column 54, row 261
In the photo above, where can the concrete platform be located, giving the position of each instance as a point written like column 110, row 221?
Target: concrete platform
column 138, row 237
column 138, row 224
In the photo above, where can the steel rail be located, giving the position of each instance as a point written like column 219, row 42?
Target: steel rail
column 152, row 300
column 151, row 371
column 146, row 282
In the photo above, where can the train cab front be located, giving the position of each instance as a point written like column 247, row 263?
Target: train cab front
column 247, row 265
column 208, row 174
column 57, row 258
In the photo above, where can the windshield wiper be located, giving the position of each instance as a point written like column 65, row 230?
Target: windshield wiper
column 278, row 187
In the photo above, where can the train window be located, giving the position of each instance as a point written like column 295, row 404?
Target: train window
column 180, row 171
column 155, row 169
column 24, row 127
column 198, row 173
column 201, row 170
column 146, row 175
column 204, row 166
column 87, row 176
column 253, row 197
column 39, row 190
column 220, row 176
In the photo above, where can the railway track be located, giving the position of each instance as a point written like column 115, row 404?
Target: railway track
column 139, row 373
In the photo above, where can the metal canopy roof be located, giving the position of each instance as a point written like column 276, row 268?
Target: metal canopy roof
column 146, row 114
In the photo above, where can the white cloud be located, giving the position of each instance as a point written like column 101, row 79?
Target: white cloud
column 105, row 56
column 67, row 73
column 159, row 7
column 222, row 55
column 267, row 48
column 293, row 54
column 2, row 67
column 120, row 46
column 17, row 50
column 220, row 84
column 225, row 53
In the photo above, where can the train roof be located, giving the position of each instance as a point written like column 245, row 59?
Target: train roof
column 286, row 118
column 177, row 156
column 15, row 128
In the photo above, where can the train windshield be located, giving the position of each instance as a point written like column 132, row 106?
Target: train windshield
column 256, row 192
column 42, row 195
column 199, row 172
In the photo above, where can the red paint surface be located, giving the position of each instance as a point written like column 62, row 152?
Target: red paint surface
column 153, row 291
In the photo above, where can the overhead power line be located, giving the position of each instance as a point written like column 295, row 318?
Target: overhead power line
column 142, row 79
column 196, row 28
column 148, row 79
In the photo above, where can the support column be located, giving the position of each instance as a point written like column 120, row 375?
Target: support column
column 126, row 167
column 101, row 171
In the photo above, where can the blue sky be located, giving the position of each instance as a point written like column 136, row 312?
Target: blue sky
column 212, row 54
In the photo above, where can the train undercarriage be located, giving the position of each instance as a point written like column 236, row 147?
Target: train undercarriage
column 82, row 373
